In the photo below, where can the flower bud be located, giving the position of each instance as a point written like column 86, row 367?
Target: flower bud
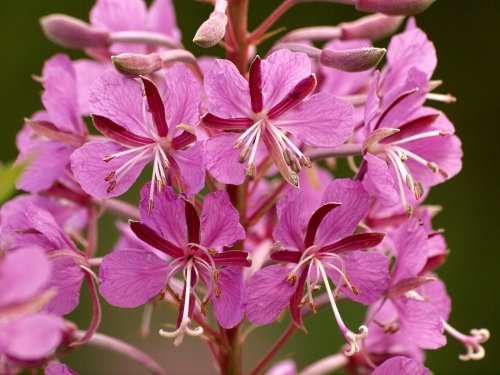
column 72, row 33
column 373, row 27
column 394, row 7
column 133, row 64
column 352, row 60
column 212, row 30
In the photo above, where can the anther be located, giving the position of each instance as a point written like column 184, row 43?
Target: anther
column 162, row 295
column 251, row 171
column 110, row 176
column 150, row 206
column 355, row 290
column 244, row 154
column 432, row 166
column 312, row 305
column 409, row 210
column 217, row 292
column 292, row 278
column 306, row 161
column 216, row 276
column 111, row 186
column 107, row 159
column 418, row 190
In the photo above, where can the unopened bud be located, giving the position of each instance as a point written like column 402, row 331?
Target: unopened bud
column 134, row 64
column 373, row 27
column 352, row 60
column 211, row 31
column 73, row 33
column 394, row 7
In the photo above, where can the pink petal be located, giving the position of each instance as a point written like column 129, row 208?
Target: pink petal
column 60, row 95
column 118, row 98
column 286, row 367
column 401, row 366
column 91, row 171
column 420, row 322
column 407, row 50
column 281, row 72
column 59, row 369
column 268, row 294
column 119, row 15
column 87, row 71
column 130, row 278
column 30, row 262
column 48, row 162
column 342, row 221
column 31, row 337
column 291, row 221
column 182, row 97
column 167, row 218
column 367, row 271
column 410, row 244
column 156, row 107
column 435, row 292
column 161, row 18
column 379, row 182
column 228, row 308
column 322, row 120
column 117, row 133
column 220, row 221
column 66, row 280
column 227, row 91
column 192, row 164
column 222, row 159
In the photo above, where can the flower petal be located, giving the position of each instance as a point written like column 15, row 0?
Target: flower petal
column 87, row 71
column 321, row 121
column 379, row 182
column 167, row 218
column 220, row 221
column 130, row 278
column 291, row 221
column 118, row 98
column 228, row 307
column 342, row 221
column 268, row 294
column 161, row 18
column 227, row 91
column 192, row 165
column 31, row 337
column 401, row 366
column 222, row 159
column 92, row 172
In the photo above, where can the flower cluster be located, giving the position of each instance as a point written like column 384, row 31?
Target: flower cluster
column 240, row 219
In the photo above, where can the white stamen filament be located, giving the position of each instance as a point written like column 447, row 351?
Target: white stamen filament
column 129, row 151
column 184, row 328
column 400, row 183
column 445, row 98
column 146, row 319
column 475, row 351
column 434, row 133
column 255, row 145
column 415, row 157
column 240, row 139
column 350, row 337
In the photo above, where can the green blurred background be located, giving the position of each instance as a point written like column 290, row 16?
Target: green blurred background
column 467, row 38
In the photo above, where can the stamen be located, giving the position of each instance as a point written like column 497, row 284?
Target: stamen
column 431, row 165
column 350, row 337
column 129, row 151
column 434, row 133
column 445, row 98
column 242, row 137
column 146, row 319
column 472, row 343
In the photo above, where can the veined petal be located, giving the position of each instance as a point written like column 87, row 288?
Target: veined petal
column 315, row 221
column 130, row 278
column 161, row 18
column 182, row 96
column 268, row 294
column 342, row 221
column 220, row 222
column 294, row 97
column 401, row 366
column 435, row 292
column 168, row 216
column 90, row 170
column 59, row 369
column 379, row 182
column 117, row 15
column 281, row 72
column 118, row 98
column 228, row 307
column 192, row 165
column 87, row 71
column 222, row 159
column 227, row 91
column 322, row 120
column 291, row 221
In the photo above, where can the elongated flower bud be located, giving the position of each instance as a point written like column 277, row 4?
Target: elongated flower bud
column 73, row 33
column 373, row 27
column 211, row 31
column 133, row 64
column 394, row 7
column 352, row 60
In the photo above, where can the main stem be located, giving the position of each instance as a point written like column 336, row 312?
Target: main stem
column 238, row 18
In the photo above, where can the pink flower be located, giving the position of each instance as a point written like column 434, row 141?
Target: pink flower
column 187, row 244
column 143, row 128
column 272, row 105
column 327, row 250
column 401, row 366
